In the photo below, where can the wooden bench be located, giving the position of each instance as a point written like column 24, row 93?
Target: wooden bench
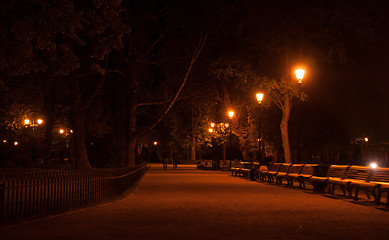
column 263, row 170
column 377, row 184
column 294, row 171
column 305, row 174
column 250, row 171
column 354, row 175
column 271, row 173
column 282, row 173
column 334, row 172
column 236, row 171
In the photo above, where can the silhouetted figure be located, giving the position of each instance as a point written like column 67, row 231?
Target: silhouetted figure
column 175, row 158
column 165, row 158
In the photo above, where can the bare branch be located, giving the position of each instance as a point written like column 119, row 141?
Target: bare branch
column 199, row 48
column 161, row 102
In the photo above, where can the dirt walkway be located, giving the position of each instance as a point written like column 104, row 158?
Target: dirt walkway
column 192, row 204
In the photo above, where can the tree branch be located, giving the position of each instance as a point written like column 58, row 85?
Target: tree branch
column 199, row 48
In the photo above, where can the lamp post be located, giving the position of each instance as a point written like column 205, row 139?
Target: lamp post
column 299, row 76
column 259, row 99
column 33, row 124
column 66, row 134
column 220, row 128
column 230, row 115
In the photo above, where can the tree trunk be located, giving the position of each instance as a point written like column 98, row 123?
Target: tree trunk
column 78, row 124
column 284, row 129
column 131, row 144
column 193, row 149
column 80, row 152
column 49, row 109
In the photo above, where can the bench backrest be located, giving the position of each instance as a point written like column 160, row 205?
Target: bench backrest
column 275, row 167
column 380, row 175
column 308, row 169
column 284, row 167
column 358, row 173
column 337, row 171
column 296, row 168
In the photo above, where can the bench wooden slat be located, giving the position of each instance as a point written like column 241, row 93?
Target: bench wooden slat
column 334, row 172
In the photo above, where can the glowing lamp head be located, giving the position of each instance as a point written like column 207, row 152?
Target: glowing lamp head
column 212, row 124
column 16, row 143
column 231, row 114
column 61, row 131
column 366, row 139
column 210, row 130
column 373, row 165
column 26, row 121
column 299, row 75
column 39, row 121
column 259, row 97
column 155, row 143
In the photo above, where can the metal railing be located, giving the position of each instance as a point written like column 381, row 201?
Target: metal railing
column 31, row 193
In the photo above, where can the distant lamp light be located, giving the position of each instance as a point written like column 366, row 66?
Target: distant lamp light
column 61, row 131
column 155, row 143
column 27, row 121
column 231, row 114
column 259, row 97
column 299, row 75
column 373, row 165
column 210, row 130
column 366, row 139
column 4, row 140
column 212, row 124
column 39, row 121
column 226, row 125
column 16, row 143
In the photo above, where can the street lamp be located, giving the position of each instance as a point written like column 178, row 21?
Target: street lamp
column 299, row 76
column 259, row 99
column 230, row 115
column 66, row 134
column 220, row 128
column 33, row 124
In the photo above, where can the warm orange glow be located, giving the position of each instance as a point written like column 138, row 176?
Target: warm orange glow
column 373, row 165
column 210, row 130
column 300, row 75
column 366, row 139
column 39, row 121
column 226, row 125
column 5, row 140
column 259, row 97
column 26, row 121
column 231, row 114
column 212, row 124
column 16, row 143
column 155, row 143
column 61, row 131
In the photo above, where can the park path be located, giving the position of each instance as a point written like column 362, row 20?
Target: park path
column 186, row 203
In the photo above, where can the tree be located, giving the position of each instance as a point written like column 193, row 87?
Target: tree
column 234, row 83
column 156, row 63
column 282, row 93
